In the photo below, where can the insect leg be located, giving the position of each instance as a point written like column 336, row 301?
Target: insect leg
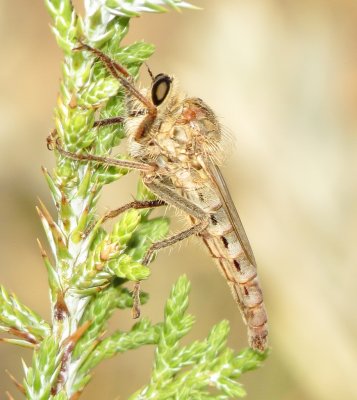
column 136, row 204
column 170, row 196
column 119, row 72
column 123, row 76
column 52, row 137
column 113, row 120
column 193, row 230
column 173, row 198
column 105, row 59
column 108, row 121
column 54, row 143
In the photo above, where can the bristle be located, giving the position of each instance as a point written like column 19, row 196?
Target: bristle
column 15, row 382
column 9, row 396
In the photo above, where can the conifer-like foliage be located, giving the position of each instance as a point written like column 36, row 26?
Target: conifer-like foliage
column 90, row 270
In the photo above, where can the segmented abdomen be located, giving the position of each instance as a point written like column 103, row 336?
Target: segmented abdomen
column 239, row 272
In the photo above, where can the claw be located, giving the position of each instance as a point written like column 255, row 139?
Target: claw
column 51, row 140
column 81, row 47
column 135, row 311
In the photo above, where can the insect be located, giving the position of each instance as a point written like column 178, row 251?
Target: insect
column 174, row 141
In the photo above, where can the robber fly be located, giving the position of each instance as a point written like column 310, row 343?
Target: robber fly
column 175, row 142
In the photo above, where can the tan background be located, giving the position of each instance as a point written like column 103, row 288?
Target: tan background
column 282, row 75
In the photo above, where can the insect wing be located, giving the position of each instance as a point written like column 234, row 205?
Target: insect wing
column 230, row 209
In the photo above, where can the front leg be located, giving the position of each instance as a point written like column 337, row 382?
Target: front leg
column 119, row 72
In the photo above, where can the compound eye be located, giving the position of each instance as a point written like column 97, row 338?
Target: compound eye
column 160, row 88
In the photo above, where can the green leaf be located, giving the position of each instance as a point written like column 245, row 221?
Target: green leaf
column 15, row 316
column 99, row 311
column 133, row 8
column 40, row 378
column 191, row 371
column 65, row 23
column 142, row 333
column 134, row 55
column 60, row 396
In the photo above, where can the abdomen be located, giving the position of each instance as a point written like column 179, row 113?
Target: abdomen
column 240, row 273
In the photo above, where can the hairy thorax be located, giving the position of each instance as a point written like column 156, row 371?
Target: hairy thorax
column 185, row 132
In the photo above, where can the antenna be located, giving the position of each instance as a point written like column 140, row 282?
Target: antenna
column 150, row 72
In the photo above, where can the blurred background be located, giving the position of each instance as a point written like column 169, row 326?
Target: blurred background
column 282, row 77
